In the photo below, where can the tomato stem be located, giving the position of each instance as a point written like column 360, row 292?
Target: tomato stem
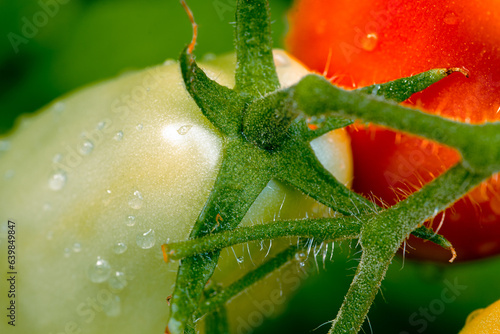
column 478, row 144
column 382, row 235
column 266, row 137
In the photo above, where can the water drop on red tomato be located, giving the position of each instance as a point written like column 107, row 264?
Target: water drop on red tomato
column 369, row 42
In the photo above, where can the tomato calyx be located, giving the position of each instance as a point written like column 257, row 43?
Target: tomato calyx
column 246, row 168
column 266, row 136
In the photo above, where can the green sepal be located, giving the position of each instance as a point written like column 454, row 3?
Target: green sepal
column 220, row 105
column 425, row 233
column 326, row 125
column 401, row 89
column 309, row 175
column 267, row 120
column 243, row 175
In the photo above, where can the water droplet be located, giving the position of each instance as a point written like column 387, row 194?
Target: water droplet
column 369, row 42
column 101, row 125
column 59, row 107
column 57, row 158
column 47, row 207
column 118, row 136
column 107, row 198
column 130, row 221
column 146, row 240
column 139, row 127
column 135, row 200
column 113, row 307
column 451, row 18
column 86, row 147
column 57, row 180
column 77, row 247
column 240, row 259
column 184, row 129
column 4, row 145
column 169, row 62
column 67, row 252
column 119, row 248
column 99, row 271
column 50, row 235
column 301, row 257
column 117, row 281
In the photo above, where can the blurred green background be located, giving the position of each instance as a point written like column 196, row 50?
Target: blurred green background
column 83, row 41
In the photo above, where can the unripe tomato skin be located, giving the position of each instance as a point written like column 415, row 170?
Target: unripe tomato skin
column 99, row 179
column 358, row 44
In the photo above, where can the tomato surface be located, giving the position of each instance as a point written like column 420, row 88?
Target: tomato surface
column 95, row 182
column 360, row 43
column 483, row 321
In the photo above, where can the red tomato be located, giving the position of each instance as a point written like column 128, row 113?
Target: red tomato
column 364, row 42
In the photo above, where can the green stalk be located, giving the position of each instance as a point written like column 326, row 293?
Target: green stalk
column 478, row 144
column 224, row 295
column 382, row 235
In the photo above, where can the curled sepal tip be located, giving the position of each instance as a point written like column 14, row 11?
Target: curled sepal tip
column 428, row 234
column 401, row 89
column 190, row 15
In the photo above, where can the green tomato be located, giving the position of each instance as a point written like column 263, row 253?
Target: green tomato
column 99, row 179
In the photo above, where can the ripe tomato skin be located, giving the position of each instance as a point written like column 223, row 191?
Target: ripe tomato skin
column 115, row 160
column 364, row 42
